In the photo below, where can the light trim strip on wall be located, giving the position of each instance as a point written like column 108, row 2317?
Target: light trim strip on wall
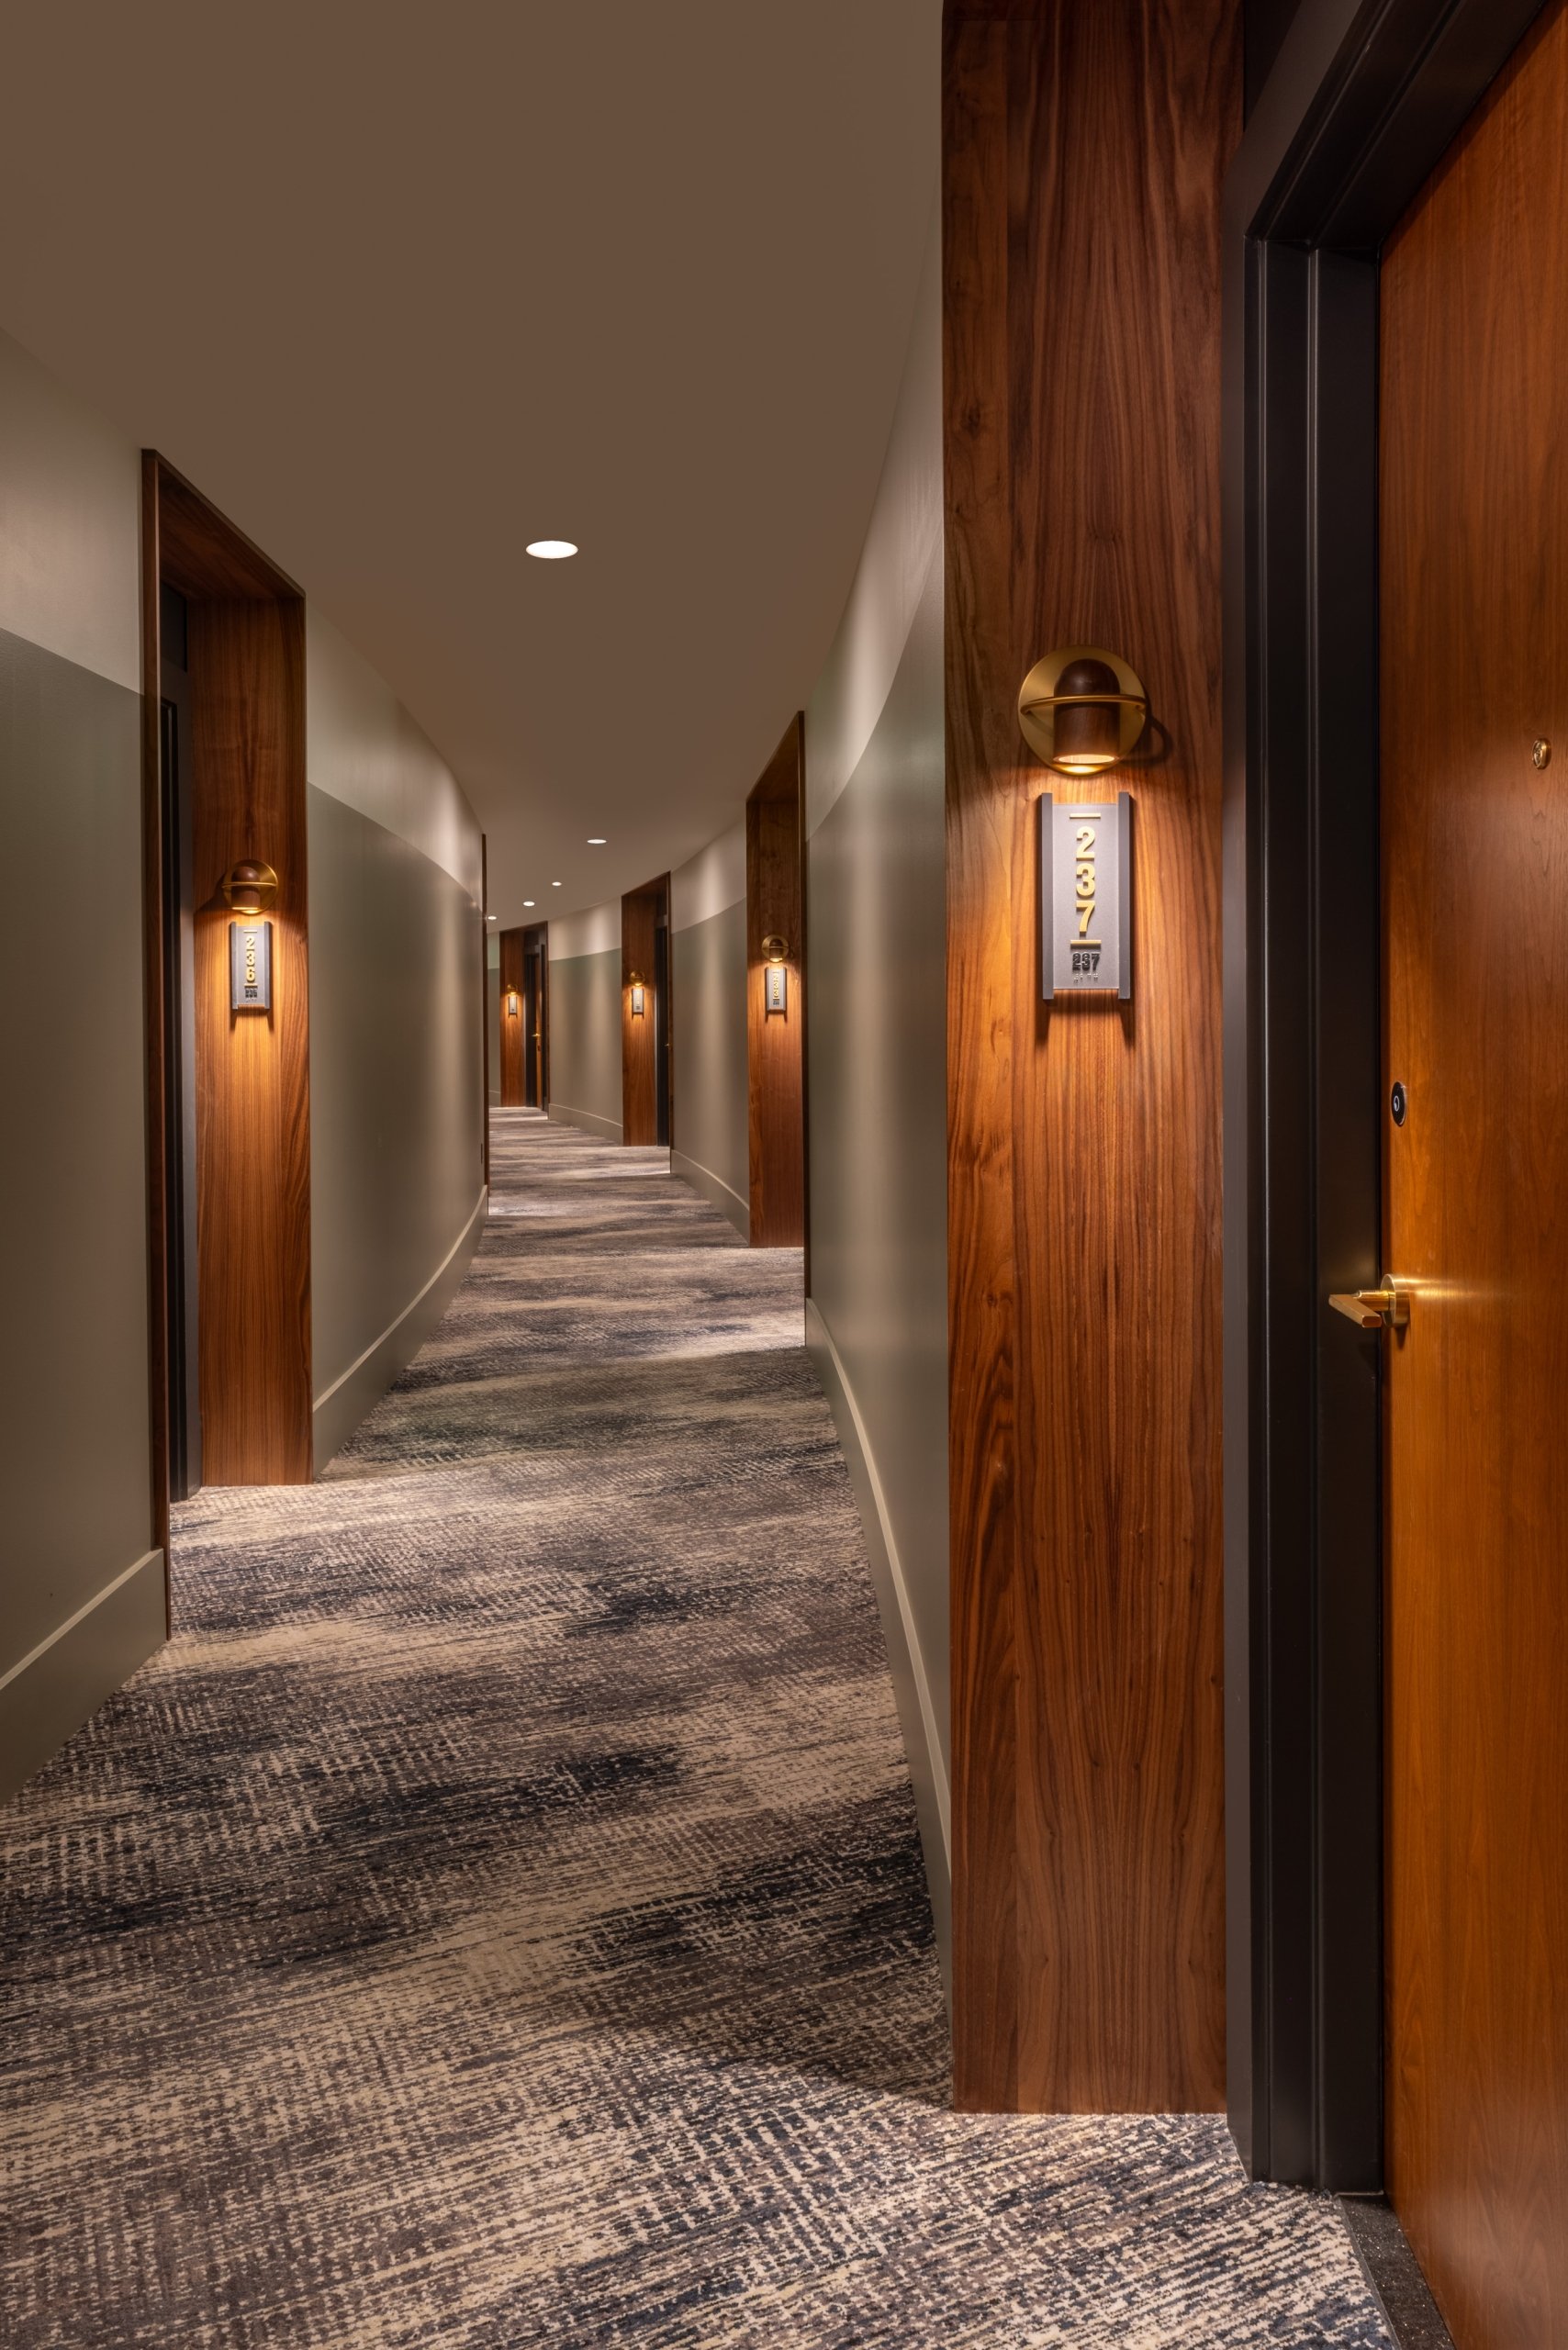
column 589, row 1120
column 707, row 1185
column 24, row 1663
column 817, row 1329
column 414, row 1304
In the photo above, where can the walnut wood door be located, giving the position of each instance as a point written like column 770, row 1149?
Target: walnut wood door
column 1474, row 786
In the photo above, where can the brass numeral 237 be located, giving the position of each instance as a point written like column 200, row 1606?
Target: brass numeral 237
column 1084, row 892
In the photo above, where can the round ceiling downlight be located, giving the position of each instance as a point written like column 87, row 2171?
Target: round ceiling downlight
column 551, row 550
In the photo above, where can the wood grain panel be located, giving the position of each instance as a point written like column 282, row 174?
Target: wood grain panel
column 514, row 1024
column 774, row 1068
column 1474, row 610
column 641, row 912
column 247, row 671
column 202, row 553
column 1083, row 156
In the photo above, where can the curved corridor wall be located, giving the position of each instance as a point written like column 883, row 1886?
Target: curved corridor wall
column 396, row 1066
column 396, row 1060
column 584, row 1020
column 82, row 1590
column 877, row 1110
column 711, row 1126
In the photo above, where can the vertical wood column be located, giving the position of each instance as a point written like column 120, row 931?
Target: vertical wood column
column 773, row 910
column 514, row 1024
column 247, row 673
column 640, row 913
column 1084, row 154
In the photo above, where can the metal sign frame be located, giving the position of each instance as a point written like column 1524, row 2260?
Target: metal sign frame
column 1086, row 897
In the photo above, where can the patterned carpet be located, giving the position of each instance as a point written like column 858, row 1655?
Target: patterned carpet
column 496, row 1918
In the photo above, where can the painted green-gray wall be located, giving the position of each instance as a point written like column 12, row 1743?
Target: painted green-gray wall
column 397, row 1068
column 397, row 1050
column 877, row 1108
column 711, row 1124
column 585, row 1021
column 81, row 1587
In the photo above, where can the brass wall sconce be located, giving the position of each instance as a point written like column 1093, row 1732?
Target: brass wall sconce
column 775, row 977
column 638, row 998
column 250, row 886
column 1082, row 710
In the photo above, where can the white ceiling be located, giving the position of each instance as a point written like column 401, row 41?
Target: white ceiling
column 403, row 284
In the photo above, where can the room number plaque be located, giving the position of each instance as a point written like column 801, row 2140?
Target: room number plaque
column 250, row 967
column 1086, row 897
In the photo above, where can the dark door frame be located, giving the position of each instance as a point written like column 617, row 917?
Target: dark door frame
column 1364, row 97
column 536, row 943
column 180, row 1320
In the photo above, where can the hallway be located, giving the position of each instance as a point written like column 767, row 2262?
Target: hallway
column 497, row 1917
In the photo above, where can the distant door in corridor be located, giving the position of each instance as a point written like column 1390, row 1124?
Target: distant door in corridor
column 1474, row 795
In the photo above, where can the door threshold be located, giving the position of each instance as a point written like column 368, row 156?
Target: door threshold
column 1393, row 2273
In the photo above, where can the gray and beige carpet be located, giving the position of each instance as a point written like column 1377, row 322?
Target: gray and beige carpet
column 496, row 1918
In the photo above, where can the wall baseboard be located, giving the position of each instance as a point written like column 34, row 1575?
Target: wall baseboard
column 356, row 1391
column 589, row 1121
column 911, row 1689
column 714, row 1189
column 48, row 1695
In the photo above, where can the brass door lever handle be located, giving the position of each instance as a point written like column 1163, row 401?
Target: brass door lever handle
column 1375, row 1309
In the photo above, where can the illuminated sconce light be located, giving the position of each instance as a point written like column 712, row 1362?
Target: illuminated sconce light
column 776, row 976
column 250, row 886
column 1082, row 710
column 247, row 889
column 639, row 997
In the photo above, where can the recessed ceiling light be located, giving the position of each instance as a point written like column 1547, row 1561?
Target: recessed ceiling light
column 489, row 917
column 551, row 550
column 597, row 840
column 527, row 901
column 554, row 885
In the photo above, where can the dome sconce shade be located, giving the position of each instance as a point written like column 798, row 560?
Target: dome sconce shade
column 1082, row 710
column 250, row 886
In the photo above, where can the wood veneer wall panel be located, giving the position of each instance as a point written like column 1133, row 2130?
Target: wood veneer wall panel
column 640, row 911
column 1083, row 155
column 247, row 669
column 514, row 1024
column 983, row 816
column 774, row 1079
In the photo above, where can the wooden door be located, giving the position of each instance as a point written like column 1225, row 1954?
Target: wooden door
column 1474, row 532
column 514, row 1091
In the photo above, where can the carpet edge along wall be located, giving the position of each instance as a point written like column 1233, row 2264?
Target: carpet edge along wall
column 1083, row 155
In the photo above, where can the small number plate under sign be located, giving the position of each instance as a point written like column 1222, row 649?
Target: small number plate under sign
column 1086, row 897
column 250, row 967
